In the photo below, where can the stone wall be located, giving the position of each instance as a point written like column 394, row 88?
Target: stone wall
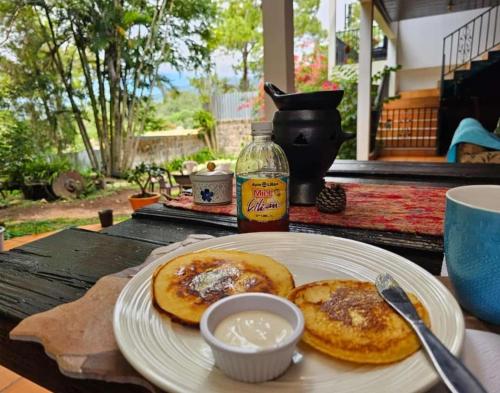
column 165, row 146
column 233, row 135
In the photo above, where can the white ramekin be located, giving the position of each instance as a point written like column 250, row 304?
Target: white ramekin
column 248, row 365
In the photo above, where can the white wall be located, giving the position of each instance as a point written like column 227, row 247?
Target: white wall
column 419, row 78
column 420, row 47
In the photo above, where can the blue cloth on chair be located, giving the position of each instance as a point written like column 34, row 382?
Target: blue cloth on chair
column 471, row 131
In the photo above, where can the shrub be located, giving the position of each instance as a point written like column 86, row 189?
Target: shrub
column 17, row 149
column 205, row 121
column 142, row 175
column 43, row 169
column 201, row 156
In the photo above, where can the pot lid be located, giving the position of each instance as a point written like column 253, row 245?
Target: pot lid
column 212, row 171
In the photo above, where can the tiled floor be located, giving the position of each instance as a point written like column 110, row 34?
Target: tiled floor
column 10, row 382
column 13, row 383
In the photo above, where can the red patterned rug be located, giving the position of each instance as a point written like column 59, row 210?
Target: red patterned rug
column 407, row 209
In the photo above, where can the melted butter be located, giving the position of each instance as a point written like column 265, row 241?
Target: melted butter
column 253, row 330
column 217, row 280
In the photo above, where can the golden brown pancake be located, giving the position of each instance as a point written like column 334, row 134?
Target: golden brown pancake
column 349, row 320
column 186, row 285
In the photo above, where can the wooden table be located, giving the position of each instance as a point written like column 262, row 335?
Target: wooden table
column 61, row 268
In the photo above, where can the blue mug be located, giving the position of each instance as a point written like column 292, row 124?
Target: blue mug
column 472, row 248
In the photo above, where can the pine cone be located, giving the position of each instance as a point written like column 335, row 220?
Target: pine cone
column 331, row 199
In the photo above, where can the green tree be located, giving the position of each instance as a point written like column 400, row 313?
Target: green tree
column 209, row 84
column 31, row 88
column 238, row 30
column 107, row 54
column 306, row 23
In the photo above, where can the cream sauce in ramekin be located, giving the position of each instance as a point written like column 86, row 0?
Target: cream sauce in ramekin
column 253, row 330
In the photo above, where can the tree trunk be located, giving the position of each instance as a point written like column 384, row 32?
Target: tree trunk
column 51, row 117
column 106, row 154
column 56, row 57
column 244, row 84
column 114, row 109
column 93, row 101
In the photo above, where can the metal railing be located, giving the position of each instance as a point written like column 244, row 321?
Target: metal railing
column 471, row 40
column 377, row 107
column 408, row 127
column 348, row 45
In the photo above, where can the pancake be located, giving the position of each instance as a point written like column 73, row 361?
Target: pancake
column 349, row 320
column 185, row 286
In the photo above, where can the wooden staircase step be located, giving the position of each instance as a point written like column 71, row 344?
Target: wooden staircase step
column 480, row 62
column 406, row 138
column 408, row 125
column 403, row 127
column 421, row 102
column 402, row 133
column 429, row 120
column 422, row 93
column 407, row 116
column 486, row 55
column 408, row 151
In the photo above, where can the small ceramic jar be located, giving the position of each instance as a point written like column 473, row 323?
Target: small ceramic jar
column 212, row 186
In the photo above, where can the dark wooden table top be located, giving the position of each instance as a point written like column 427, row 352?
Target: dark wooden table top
column 62, row 267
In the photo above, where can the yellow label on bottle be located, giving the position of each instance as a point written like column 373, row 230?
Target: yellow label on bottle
column 262, row 200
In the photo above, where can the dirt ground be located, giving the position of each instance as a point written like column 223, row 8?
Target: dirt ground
column 70, row 209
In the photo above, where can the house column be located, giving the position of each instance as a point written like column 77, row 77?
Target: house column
column 332, row 36
column 391, row 32
column 277, row 19
column 364, row 81
column 392, row 59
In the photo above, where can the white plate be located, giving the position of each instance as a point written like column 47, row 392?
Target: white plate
column 175, row 358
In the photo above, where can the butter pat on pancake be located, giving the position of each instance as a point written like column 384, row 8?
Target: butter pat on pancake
column 348, row 320
column 185, row 286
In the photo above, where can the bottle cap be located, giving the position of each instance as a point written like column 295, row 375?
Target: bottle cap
column 262, row 128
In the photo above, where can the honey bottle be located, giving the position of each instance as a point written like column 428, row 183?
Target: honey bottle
column 262, row 179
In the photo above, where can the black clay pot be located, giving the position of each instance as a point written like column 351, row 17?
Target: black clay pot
column 311, row 140
column 324, row 100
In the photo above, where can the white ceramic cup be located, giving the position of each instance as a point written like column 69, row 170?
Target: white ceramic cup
column 189, row 166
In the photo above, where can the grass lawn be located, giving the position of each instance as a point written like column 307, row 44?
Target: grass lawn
column 16, row 229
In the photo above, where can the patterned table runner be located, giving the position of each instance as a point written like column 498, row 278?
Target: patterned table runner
column 395, row 208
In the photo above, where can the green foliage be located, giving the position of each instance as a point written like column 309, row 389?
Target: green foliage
column 23, row 161
column 210, row 84
column 239, row 30
column 143, row 175
column 205, row 121
column 176, row 110
column 16, row 149
column 201, row 156
column 154, row 122
column 41, row 169
column 175, row 165
column 306, row 23
column 16, row 229
column 29, row 85
column 182, row 118
column 103, row 57
column 347, row 79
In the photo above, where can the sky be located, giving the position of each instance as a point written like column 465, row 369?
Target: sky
column 224, row 63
